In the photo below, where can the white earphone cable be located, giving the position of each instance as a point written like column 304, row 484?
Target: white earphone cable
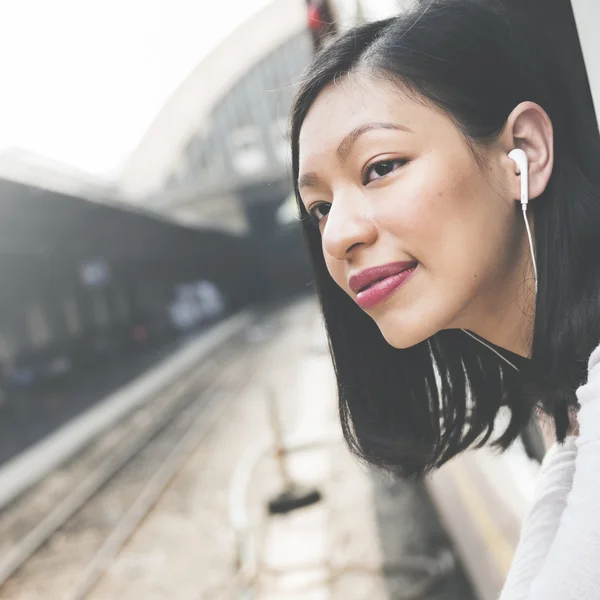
column 531, row 247
column 492, row 349
column 524, row 205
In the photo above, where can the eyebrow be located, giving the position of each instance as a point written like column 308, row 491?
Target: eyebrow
column 345, row 147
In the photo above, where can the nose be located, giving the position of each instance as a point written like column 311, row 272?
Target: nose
column 349, row 225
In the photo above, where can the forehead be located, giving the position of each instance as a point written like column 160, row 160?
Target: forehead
column 354, row 101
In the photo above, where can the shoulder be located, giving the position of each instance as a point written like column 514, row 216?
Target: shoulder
column 589, row 392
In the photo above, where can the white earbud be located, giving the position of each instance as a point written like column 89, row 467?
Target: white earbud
column 522, row 163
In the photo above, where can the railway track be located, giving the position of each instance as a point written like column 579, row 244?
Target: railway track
column 58, row 541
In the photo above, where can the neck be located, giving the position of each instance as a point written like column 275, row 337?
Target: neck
column 507, row 335
column 508, row 316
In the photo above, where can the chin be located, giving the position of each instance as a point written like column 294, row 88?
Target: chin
column 403, row 333
column 402, row 338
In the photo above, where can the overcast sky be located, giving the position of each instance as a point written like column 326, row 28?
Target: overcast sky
column 81, row 80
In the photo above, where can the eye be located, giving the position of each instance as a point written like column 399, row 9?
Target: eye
column 319, row 211
column 380, row 169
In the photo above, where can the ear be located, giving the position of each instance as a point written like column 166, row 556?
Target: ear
column 529, row 128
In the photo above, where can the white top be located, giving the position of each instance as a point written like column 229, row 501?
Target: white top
column 558, row 556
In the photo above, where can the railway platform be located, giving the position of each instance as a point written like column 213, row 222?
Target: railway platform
column 187, row 516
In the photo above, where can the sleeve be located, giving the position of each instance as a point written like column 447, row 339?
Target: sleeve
column 540, row 526
column 559, row 554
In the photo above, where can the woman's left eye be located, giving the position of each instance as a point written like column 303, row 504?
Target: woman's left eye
column 380, row 169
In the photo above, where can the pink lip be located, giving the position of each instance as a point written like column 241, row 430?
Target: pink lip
column 375, row 285
column 368, row 277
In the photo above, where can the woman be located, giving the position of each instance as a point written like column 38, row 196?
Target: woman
column 440, row 313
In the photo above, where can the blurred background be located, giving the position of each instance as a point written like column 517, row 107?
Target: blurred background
column 168, row 426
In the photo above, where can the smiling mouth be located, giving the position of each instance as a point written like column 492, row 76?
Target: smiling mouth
column 377, row 291
column 369, row 278
column 374, row 283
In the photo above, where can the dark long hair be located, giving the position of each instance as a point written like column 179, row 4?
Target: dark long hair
column 411, row 410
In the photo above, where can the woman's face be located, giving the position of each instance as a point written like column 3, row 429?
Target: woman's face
column 394, row 184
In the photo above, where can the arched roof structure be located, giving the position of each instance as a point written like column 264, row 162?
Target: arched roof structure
column 160, row 150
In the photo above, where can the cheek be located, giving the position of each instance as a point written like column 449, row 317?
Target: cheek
column 424, row 211
column 445, row 216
